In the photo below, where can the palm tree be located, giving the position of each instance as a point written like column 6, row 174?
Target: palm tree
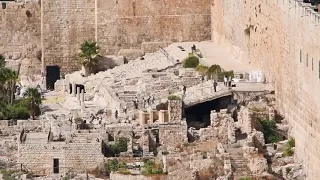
column 8, row 78
column 89, row 56
column 34, row 101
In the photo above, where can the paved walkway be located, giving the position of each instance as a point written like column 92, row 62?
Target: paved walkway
column 204, row 92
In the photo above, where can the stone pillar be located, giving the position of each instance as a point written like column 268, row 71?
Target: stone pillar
column 164, row 161
column 82, row 99
column 142, row 118
column 78, row 96
column 161, row 115
column 151, row 117
column 175, row 110
column 74, row 89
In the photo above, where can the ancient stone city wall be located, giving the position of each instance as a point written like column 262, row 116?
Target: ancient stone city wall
column 279, row 37
column 118, row 24
column 20, row 36
column 77, row 157
column 59, row 27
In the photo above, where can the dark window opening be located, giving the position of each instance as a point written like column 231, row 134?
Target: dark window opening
column 56, row 166
column 307, row 60
column 300, row 56
column 4, row 5
column 312, row 64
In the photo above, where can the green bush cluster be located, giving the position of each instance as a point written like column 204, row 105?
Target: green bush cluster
column 151, row 167
column 19, row 110
column 7, row 174
column 173, row 97
column 121, row 145
column 191, row 62
column 269, row 131
column 114, row 165
column 288, row 150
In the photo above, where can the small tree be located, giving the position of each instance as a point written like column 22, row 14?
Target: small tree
column 89, row 56
column 34, row 100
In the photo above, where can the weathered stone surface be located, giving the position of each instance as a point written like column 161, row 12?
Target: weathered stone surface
column 130, row 54
column 269, row 35
column 20, row 35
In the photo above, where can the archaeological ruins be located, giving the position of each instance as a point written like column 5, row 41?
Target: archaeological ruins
column 192, row 90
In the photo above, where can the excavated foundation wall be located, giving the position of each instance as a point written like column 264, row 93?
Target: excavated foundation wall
column 281, row 38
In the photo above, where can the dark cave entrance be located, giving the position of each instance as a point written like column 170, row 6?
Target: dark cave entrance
column 198, row 116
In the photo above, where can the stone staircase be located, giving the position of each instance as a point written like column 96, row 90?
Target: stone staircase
column 240, row 167
column 238, row 163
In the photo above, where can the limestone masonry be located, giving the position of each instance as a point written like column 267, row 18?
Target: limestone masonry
column 280, row 37
column 57, row 28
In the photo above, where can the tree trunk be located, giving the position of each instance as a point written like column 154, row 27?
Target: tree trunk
column 85, row 70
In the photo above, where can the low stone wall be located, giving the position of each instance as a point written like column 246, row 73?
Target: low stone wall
column 78, row 157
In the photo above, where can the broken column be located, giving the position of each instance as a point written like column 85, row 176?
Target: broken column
column 164, row 161
column 74, row 89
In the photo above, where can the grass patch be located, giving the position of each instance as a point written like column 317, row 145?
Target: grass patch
column 288, row 150
column 173, row 97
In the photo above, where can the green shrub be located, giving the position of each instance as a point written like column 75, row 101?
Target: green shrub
column 291, row 142
column 269, row 131
column 191, row 62
column 202, row 69
column 288, row 151
column 121, row 145
column 151, row 167
column 18, row 112
column 173, row 97
column 112, row 165
column 214, row 69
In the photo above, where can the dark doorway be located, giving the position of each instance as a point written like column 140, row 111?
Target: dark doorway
column 198, row 116
column 56, row 166
column 53, row 74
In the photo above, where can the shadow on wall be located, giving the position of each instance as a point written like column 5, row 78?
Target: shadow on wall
column 105, row 63
column 198, row 116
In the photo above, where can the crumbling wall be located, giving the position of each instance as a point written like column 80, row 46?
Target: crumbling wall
column 280, row 38
column 20, row 36
column 173, row 135
column 175, row 110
